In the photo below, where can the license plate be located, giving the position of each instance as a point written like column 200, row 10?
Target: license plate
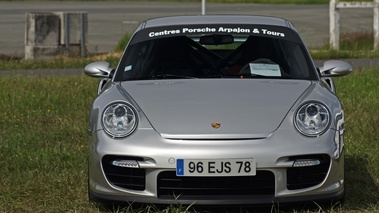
column 218, row 167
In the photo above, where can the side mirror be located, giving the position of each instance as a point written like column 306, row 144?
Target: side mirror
column 100, row 69
column 335, row 68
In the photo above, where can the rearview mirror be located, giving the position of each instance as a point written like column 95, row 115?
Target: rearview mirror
column 216, row 39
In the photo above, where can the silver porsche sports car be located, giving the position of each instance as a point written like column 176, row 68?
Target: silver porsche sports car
column 214, row 110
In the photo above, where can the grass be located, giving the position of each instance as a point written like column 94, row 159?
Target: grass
column 43, row 144
column 359, row 94
column 352, row 45
column 43, row 147
column 7, row 63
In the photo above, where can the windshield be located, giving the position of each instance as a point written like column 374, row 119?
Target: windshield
column 212, row 55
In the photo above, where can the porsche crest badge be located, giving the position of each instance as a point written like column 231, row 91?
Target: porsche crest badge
column 216, row 125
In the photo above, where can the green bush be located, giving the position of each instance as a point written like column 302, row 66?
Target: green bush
column 122, row 43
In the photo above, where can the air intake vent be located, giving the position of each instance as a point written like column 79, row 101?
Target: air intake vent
column 170, row 185
column 304, row 177
column 127, row 178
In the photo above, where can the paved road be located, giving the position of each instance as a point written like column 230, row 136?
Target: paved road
column 109, row 21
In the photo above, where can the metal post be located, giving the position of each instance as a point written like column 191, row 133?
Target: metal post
column 67, row 32
column 203, row 7
column 376, row 25
column 334, row 32
column 83, row 36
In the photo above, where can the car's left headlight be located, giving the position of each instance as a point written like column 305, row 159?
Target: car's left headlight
column 119, row 119
column 312, row 119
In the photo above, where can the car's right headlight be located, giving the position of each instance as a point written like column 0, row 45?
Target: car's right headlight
column 119, row 119
column 312, row 119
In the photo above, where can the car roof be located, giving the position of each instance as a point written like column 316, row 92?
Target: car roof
column 216, row 19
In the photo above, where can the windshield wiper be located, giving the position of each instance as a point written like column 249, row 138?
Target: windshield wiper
column 249, row 76
column 237, row 76
column 161, row 76
column 171, row 76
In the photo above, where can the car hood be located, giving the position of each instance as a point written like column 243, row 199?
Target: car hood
column 241, row 108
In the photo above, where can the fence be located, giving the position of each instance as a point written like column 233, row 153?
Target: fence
column 334, row 16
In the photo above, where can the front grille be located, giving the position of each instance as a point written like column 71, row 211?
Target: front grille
column 171, row 186
column 127, row 178
column 304, row 177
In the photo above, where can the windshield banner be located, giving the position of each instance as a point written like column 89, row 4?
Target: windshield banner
column 192, row 30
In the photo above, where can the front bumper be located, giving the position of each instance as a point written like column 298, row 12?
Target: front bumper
column 277, row 181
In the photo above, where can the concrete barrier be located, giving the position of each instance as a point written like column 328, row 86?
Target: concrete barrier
column 52, row 34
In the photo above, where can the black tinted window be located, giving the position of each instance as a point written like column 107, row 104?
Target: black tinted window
column 217, row 56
